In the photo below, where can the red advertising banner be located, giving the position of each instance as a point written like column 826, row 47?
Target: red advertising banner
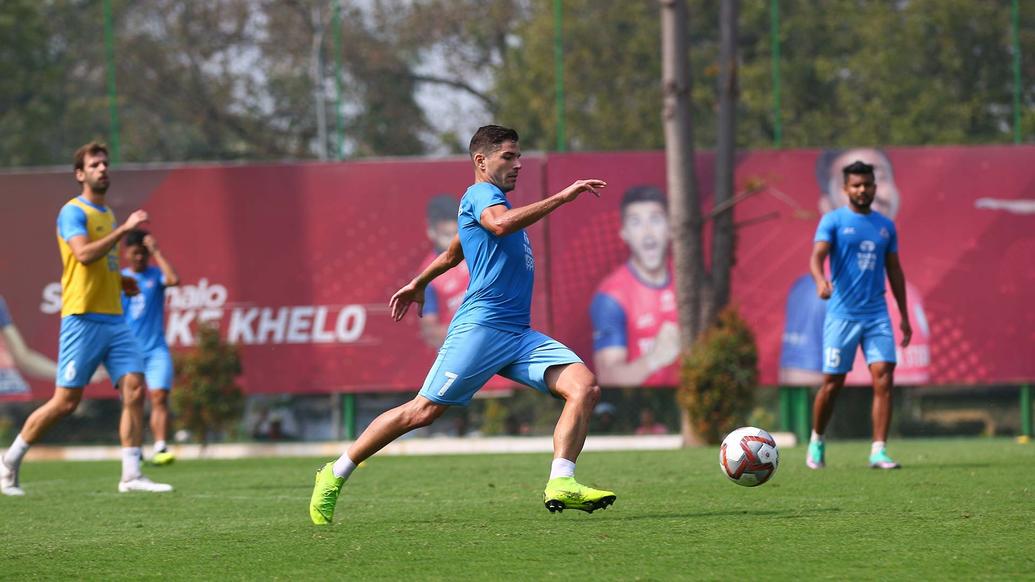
column 966, row 227
column 296, row 262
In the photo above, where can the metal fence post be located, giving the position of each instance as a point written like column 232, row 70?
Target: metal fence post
column 1026, row 428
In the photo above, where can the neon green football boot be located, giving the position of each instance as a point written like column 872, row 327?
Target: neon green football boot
column 325, row 495
column 162, row 458
column 566, row 493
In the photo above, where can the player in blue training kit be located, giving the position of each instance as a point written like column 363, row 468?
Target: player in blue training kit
column 862, row 244
column 92, row 328
column 490, row 332
column 145, row 314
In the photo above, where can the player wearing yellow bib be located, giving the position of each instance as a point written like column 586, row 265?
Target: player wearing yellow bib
column 92, row 328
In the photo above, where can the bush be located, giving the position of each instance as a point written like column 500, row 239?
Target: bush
column 719, row 376
column 206, row 398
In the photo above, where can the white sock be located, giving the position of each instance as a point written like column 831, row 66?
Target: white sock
column 343, row 467
column 877, row 447
column 160, row 447
column 816, row 437
column 130, row 463
column 13, row 456
column 562, row 468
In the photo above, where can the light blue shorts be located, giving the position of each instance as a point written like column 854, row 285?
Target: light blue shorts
column 472, row 353
column 842, row 337
column 158, row 369
column 86, row 343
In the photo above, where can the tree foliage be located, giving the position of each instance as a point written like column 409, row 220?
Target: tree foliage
column 231, row 79
column 891, row 73
column 852, row 72
column 612, row 72
column 45, row 102
column 719, row 377
column 207, row 397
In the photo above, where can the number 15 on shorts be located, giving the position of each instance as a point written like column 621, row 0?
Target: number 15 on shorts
column 833, row 357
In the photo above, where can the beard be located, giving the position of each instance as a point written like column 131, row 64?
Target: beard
column 865, row 203
column 99, row 186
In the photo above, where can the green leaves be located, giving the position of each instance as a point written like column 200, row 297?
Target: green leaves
column 719, row 377
column 852, row 73
column 206, row 398
column 232, row 80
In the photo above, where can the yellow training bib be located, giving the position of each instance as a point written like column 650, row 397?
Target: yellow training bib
column 96, row 287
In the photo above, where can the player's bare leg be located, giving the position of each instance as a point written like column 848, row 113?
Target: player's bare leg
column 387, row 427
column 883, row 379
column 578, row 387
column 131, row 423
column 159, row 414
column 131, row 434
column 159, row 426
column 61, row 404
column 392, row 424
column 823, row 405
column 822, row 410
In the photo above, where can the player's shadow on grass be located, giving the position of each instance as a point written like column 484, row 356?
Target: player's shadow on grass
column 752, row 514
column 955, row 466
column 615, row 515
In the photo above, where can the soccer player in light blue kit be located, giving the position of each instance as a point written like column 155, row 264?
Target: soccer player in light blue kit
column 145, row 314
column 862, row 244
column 490, row 333
column 93, row 331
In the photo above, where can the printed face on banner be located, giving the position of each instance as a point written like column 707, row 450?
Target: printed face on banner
column 645, row 231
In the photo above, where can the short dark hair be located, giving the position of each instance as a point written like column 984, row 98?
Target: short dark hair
column 442, row 207
column 489, row 138
column 857, row 168
column 643, row 194
column 824, row 171
column 135, row 238
column 93, row 148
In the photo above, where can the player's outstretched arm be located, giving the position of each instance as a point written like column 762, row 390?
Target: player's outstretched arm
column 413, row 292
column 171, row 279
column 819, row 256
column 897, row 279
column 87, row 252
column 26, row 359
column 501, row 221
column 614, row 368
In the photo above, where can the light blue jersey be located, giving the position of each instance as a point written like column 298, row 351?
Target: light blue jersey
column 502, row 268
column 857, row 314
column 858, row 246
column 490, row 333
column 145, row 312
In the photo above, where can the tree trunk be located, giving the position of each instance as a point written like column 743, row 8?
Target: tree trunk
column 725, row 162
column 684, row 202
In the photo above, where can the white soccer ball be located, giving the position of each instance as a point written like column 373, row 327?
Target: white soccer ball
column 748, row 456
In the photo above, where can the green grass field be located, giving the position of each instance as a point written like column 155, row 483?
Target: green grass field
column 960, row 509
